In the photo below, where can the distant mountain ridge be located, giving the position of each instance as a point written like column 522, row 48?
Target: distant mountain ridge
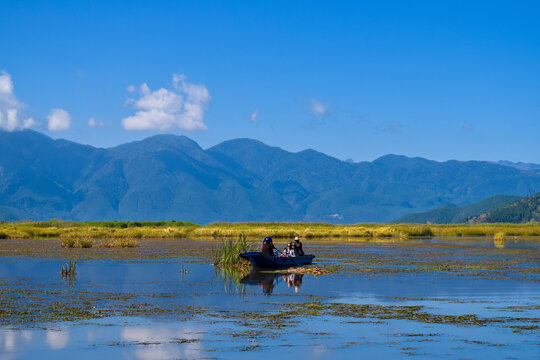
column 168, row 177
column 519, row 165
column 524, row 210
column 453, row 214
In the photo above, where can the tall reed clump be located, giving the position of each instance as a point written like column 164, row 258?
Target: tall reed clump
column 69, row 269
column 227, row 254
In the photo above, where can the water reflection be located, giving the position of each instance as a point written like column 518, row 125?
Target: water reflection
column 517, row 244
column 165, row 342
column 149, row 340
column 268, row 281
column 231, row 279
column 57, row 338
column 294, row 280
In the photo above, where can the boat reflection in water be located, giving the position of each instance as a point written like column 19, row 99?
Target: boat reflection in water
column 267, row 281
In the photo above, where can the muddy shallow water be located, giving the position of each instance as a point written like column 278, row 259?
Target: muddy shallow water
column 453, row 298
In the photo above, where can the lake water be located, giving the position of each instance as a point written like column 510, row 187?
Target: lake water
column 444, row 298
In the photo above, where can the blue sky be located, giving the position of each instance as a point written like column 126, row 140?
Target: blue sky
column 441, row 80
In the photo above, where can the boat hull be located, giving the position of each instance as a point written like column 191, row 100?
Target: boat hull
column 260, row 260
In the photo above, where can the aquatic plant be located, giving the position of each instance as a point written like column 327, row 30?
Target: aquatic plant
column 69, row 268
column 227, row 254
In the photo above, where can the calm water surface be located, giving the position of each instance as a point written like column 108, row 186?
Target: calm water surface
column 191, row 311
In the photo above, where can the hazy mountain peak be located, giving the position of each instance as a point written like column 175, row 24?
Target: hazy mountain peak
column 402, row 161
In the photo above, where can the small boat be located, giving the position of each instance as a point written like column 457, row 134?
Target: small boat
column 260, row 260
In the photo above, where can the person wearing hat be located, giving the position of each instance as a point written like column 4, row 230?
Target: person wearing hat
column 290, row 249
column 298, row 247
column 268, row 247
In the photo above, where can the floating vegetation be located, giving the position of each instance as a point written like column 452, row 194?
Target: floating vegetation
column 316, row 271
column 18, row 299
column 286, row 316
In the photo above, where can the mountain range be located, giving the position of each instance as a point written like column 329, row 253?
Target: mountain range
column 453, row 214
column 171, row 177
column 526, row 209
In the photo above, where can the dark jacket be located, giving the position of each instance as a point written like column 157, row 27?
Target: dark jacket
column 267, row 248
column 298, row 248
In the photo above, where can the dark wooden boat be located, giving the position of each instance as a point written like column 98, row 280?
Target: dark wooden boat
column 260, row 260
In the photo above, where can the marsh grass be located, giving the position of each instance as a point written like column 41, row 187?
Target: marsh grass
column 251, row 230
column 76, row 243
column 227, row 254
column 119, row 243
column 71, row 241
column 69, row 269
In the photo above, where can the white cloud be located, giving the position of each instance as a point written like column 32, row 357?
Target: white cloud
column 318, row 109
column 182, row 107
column 11, row 107
column 59, row 120
column 254, row 117
column 131, row 89
column 93, row 123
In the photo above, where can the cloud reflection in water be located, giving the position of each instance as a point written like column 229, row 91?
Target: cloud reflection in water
column 165, row 343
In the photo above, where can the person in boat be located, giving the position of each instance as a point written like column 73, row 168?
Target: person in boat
column 285, row 252
column 298, row 246
column 290, row 250
column 268, row 247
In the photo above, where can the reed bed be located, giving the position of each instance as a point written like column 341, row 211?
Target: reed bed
column 66, row 230
column 119, row 243
column 74, row 242
column 69, row 269
column 227, row 254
